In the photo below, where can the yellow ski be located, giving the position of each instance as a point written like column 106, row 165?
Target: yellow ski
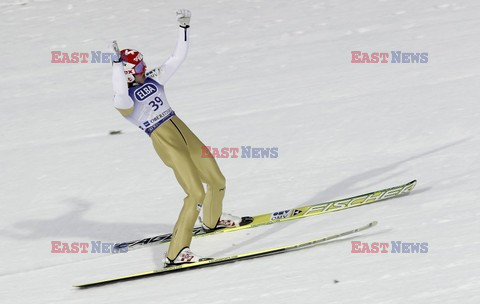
column 282, row 215
column 228, row 259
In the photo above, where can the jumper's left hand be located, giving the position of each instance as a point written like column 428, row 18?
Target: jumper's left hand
column 183, row 17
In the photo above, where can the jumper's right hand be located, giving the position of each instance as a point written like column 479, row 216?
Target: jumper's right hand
column 116, row 51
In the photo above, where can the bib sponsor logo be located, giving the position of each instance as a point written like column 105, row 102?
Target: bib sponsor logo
column 145, row 91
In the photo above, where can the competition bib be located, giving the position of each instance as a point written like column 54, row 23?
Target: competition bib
column 151, row 108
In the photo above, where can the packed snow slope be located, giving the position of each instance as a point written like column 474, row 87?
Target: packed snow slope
column 263, row 74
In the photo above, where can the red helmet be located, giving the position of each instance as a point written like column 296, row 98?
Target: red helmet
column 133, row 63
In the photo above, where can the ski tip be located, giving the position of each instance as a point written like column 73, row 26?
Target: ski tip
column 411, row 185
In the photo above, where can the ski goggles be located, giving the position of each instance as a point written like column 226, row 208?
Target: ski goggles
column 140, row 68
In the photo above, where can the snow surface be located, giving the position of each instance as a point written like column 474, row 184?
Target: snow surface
column 259, row 73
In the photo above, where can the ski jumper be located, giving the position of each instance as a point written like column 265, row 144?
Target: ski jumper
column 146, row 106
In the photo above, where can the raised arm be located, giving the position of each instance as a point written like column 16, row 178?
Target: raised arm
column 121, row 101
column 175, row 60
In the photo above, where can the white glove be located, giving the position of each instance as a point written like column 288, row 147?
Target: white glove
column 183, row 17
column 115, row 50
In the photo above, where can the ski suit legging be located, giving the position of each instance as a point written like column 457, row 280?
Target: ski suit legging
column 182, row 151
